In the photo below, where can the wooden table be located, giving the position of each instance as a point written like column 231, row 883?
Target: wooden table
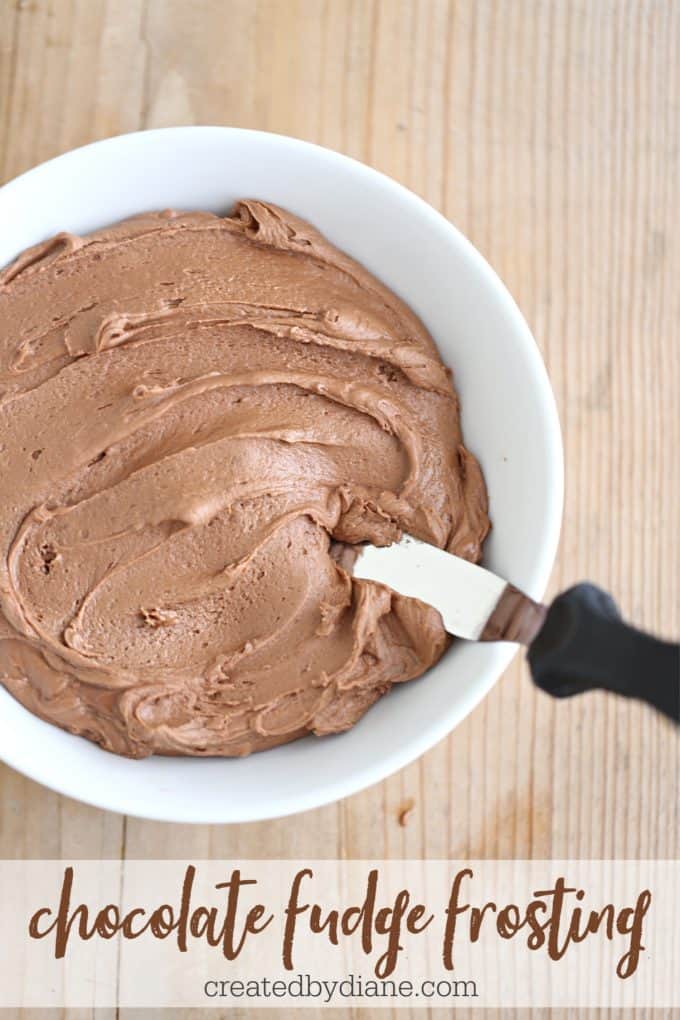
column 549, row 132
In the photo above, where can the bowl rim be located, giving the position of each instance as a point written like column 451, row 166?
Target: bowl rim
column 398, row 757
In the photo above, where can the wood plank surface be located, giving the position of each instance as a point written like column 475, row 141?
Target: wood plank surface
column 549, row 132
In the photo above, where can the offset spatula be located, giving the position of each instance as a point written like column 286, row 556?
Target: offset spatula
column 577, row 644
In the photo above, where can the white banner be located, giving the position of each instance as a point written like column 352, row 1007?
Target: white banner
column 334, row 933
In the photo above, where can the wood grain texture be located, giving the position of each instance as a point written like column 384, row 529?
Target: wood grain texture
column 549, row 132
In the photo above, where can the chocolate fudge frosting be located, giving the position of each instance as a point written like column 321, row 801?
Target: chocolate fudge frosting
column 198, row 417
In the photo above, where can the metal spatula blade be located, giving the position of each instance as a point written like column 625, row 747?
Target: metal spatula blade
column 465, row 594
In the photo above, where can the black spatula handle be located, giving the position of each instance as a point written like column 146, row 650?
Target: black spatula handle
column 584, row 644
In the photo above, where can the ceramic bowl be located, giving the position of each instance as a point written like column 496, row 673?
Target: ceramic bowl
column 509, row 422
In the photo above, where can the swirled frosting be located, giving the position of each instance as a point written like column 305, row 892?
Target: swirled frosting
column 198, row 417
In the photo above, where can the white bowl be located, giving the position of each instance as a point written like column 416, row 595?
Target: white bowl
column 509, row 422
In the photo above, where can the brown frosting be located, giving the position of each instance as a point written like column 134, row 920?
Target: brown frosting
column 198, row 415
